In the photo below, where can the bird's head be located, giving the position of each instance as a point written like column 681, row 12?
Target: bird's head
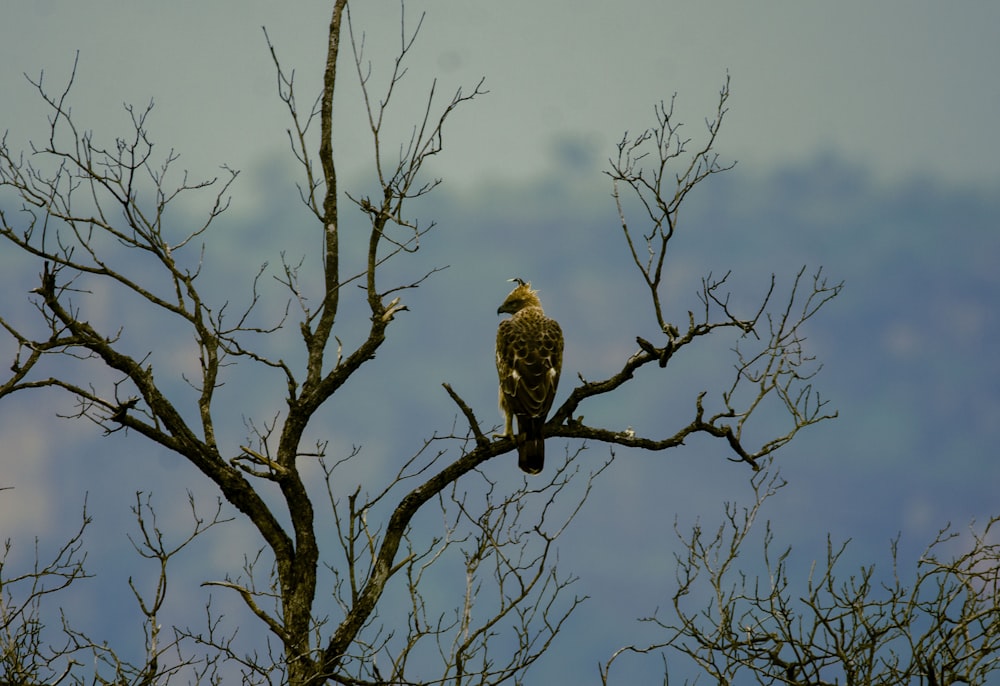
column 522, row 296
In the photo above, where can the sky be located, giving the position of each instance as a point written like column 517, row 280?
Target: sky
column 892, row 92
column 904, row 88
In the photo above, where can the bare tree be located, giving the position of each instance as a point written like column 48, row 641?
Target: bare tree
column 22, row 654
column 937, row 624
column 97, row 217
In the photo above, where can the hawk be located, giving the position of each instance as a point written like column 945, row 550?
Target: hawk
column 529, row 359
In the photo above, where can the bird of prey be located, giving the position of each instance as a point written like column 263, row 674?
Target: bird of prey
column 529, row 359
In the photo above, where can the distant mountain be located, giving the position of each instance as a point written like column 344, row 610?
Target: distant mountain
column 909, row 350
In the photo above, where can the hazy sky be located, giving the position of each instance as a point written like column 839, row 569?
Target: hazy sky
column 903, row 87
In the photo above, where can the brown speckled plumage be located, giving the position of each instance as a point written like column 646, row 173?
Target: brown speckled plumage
column 529, row 360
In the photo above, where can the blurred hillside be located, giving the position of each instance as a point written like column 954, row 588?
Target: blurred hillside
column 909, row 354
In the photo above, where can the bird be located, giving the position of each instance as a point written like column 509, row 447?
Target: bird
column 529, row 360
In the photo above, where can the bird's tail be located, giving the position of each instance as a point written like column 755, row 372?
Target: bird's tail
column 531, row 445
